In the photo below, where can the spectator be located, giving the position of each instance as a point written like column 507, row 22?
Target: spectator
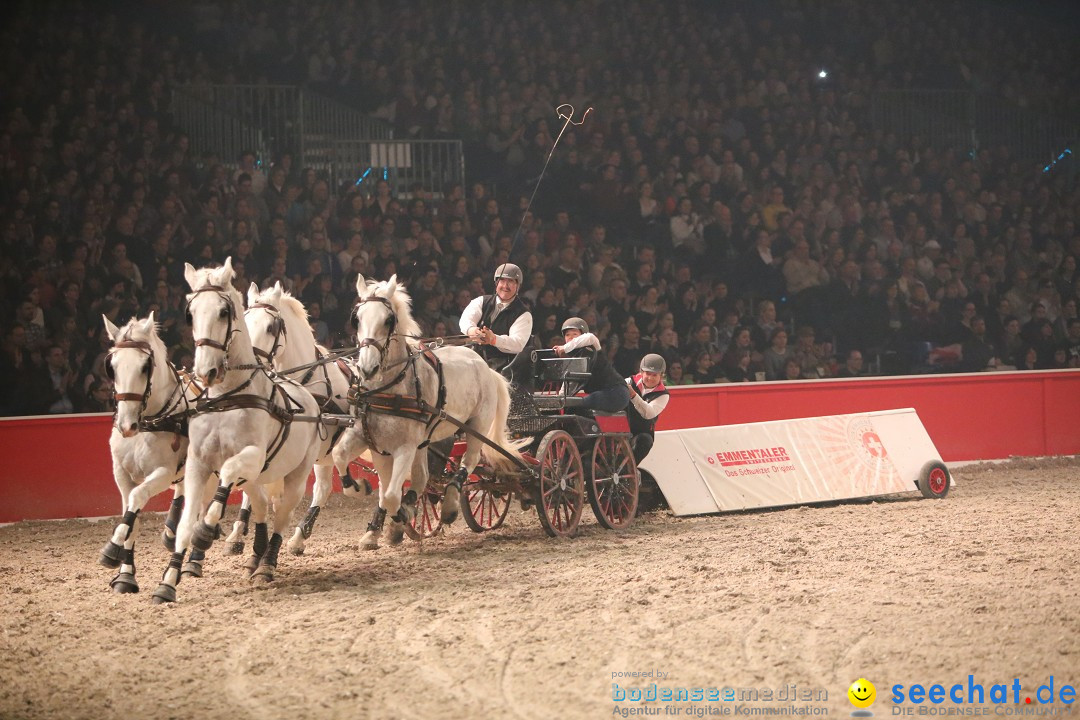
column 853, row 366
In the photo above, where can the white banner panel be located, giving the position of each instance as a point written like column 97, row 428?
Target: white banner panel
column 789, row 462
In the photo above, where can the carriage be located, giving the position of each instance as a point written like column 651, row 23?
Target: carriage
column 572, row 454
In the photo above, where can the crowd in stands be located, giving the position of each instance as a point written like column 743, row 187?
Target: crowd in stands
column 723, row 205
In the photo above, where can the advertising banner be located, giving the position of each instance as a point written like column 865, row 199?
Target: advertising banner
column 790, row 462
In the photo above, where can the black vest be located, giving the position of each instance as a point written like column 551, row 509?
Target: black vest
column 638, row 424
column 496, row 359
column 602, row 375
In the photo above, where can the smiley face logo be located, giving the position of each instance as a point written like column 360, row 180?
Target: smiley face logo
column 862, row 693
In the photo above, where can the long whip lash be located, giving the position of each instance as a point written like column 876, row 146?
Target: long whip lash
column 568, row 116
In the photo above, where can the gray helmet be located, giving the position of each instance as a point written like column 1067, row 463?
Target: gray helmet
column 653, row 363
column 510, row 271
column 577, row 324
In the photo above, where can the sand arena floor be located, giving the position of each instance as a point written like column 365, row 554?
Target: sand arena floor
column 513, row 624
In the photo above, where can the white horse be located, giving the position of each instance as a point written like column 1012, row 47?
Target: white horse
column 148, row 440
column 243, row 429
column 404, row 398
column 282, row 336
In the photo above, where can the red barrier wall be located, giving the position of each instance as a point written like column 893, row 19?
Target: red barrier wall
column 59, row 467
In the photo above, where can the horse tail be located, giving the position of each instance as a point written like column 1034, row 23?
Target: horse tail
column 499, row 431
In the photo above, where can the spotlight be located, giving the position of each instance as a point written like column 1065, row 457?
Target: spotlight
column 823, row 73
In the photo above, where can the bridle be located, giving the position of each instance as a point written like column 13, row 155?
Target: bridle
column 391, row 327
column 280, row 332
column 145, row 423
column 222, row 293
column 143, row 347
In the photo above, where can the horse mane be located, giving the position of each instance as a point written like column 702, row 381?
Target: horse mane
column 133, row 331
column 291, row 309
column 402, row 304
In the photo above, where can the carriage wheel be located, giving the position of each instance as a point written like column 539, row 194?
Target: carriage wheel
column 484, row 503
column 614, row 482
column 934, row 479
column 562, row 484
column 428, row 520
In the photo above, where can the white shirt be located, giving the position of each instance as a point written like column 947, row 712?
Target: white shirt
column 648, row 408
column 583, row 340
column 512, row 343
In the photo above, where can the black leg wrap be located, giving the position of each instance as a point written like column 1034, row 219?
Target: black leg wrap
column 367, row 487
column 309, row 521
column 409, row 498
column 376, row 524
column 265, row 571
column 258, row 546
column 458, row 478
column 245, row 515
column 193, row 567
column 129, row 520
column 172, row 520
column 270, row 557
column 222, row 494
column 129, row 558
column 347, row 482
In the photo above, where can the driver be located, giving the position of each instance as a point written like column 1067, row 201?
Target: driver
column 648, row 400
column 499, row 324
column 604, row 390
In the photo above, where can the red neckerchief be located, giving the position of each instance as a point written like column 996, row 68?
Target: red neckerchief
column 640, row 384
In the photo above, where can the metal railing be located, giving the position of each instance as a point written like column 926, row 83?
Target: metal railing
column 268, row 119
column 971, row 121
column 410, row 166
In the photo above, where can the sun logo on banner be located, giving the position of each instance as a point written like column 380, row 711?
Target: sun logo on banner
column 866, row 442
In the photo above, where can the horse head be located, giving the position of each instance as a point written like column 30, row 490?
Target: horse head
column 382, row 314
column 130, row 366
column 265, row 320
column 213, row 314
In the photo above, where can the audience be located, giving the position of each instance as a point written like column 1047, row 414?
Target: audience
column 721, row 200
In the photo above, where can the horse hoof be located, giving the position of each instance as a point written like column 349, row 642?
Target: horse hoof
column 236, row 548
column 262, row 578
column 163, row 594
column 204, row 536
column 169, row 541
column 369, row 545
column 192, row 569
column 124, row 583
column 448, row 516
column 251, row 564
column 396, row 536
column 111, row 554
column 298, row 550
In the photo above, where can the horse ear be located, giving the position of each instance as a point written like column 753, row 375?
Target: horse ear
column 361, row 284
column 391, row 285
column 277, row 286
column 148, row 324
column 111, row 329
column 226, row 273
column 253, row 292
column 190, row 274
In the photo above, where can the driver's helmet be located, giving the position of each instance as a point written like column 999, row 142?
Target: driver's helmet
column 653, row 363
column 510, row 271
column 577, row 324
